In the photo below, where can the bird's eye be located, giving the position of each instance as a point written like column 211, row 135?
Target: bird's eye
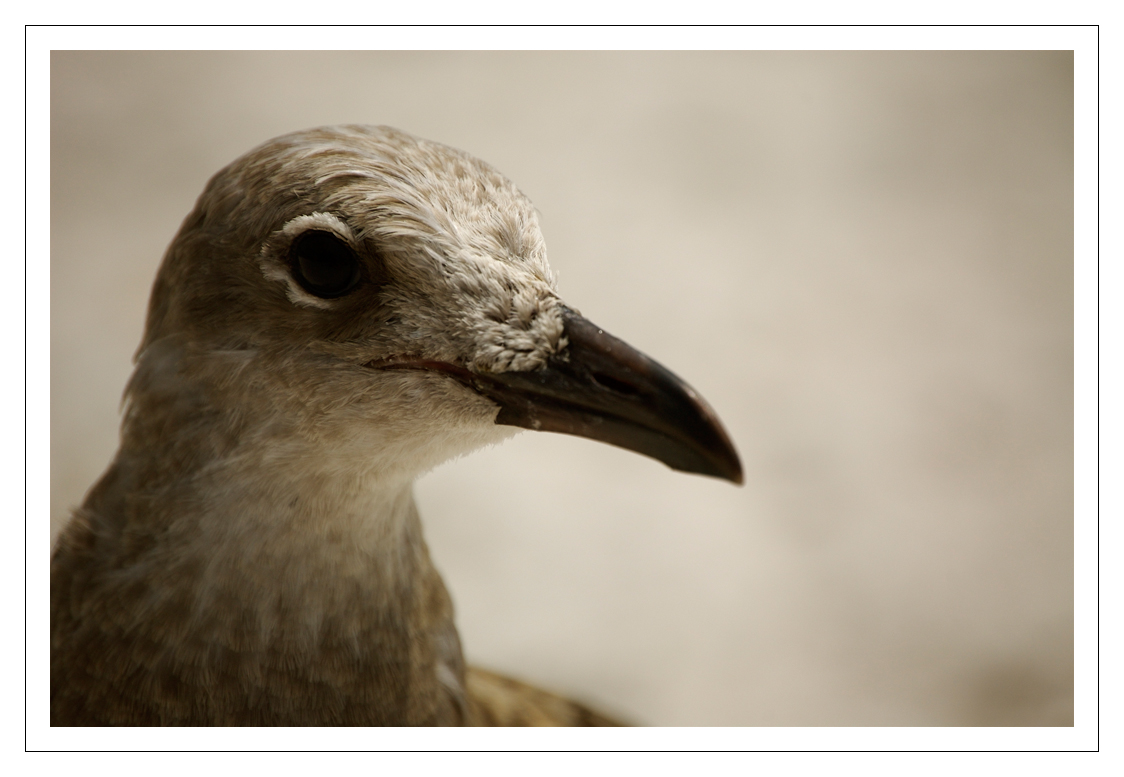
column 323, row 264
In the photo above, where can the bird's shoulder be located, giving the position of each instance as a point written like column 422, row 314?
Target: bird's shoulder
column 495, row 700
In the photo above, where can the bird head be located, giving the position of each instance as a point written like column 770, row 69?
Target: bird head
column 367, row 289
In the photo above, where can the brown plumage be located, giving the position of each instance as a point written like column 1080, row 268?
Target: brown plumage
column 344, row 309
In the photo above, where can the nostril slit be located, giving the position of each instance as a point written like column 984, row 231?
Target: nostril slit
column 613, row 384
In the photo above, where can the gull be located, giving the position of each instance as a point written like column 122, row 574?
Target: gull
column 344, row 309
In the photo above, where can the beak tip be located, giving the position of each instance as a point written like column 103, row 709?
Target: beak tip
column 731, row 469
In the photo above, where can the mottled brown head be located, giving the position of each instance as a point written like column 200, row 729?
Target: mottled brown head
column 369, row 277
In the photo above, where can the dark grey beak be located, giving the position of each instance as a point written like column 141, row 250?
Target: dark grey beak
column 602, row 388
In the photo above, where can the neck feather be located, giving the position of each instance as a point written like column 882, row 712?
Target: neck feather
column 246, row 564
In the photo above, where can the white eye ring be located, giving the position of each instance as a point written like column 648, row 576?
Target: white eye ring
column 274, row 252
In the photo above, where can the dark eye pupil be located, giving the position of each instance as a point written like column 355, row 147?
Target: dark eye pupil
column 323, row 264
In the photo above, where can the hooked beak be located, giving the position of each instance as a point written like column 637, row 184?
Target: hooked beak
column 604, row 389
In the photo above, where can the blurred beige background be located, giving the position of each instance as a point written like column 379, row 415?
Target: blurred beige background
column 863, row 260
